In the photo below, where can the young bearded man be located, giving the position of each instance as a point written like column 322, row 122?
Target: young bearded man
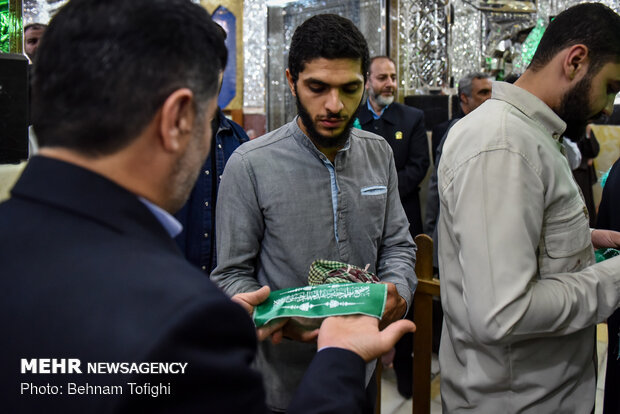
column 313, row 189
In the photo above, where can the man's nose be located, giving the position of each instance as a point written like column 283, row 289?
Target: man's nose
column 334, row 103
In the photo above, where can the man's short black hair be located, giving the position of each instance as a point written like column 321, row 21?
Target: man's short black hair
column 104, row 68
column 591, row 24
column 34, row 26
column 327, row 36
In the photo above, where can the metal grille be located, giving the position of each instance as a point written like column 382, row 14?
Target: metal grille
column 423, row 45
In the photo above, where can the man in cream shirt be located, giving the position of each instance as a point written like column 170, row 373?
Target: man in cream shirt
column 520, row 290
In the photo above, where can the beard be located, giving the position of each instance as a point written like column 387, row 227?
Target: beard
column 381, row 100
column 315, row 136
column 575, row 108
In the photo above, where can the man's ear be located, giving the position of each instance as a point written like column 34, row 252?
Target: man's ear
column 177, row 119
column 575, row 63
column 463, row 99
column 291, row 84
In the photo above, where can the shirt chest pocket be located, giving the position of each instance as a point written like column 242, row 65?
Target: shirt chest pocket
column 371, row 202
column 566, row 242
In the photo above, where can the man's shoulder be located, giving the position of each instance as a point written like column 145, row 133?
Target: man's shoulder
column 406, row 109
column 237, row 132
column 404, row 117
column 370, row 141
column 493, row 126
column 367, row 137
column 261, row 145
column 363, row 113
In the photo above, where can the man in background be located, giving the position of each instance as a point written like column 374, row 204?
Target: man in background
column 520, row 291
column 608, row 218
column 402, row 127
column 314, row 189
column 473, row 89
column 32, row 38
column 89, row 265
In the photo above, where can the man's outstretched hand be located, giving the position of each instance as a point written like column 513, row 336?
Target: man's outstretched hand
column 278, row 329
column 360, row 334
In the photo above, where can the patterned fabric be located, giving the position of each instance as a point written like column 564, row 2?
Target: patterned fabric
column 330, row 271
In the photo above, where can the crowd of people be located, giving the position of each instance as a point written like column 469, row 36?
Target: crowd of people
column 148, row 227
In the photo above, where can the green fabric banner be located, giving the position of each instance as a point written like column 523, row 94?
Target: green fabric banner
column 322, row 301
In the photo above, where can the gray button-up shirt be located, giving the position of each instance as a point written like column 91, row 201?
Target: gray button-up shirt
column 520, row 293
column 282, row 204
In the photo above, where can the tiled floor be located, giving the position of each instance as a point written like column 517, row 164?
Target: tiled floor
column 393, row 403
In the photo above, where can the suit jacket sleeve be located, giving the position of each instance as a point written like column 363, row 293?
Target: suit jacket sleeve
column 217, row 340
column 334, row 383
column 414, row 171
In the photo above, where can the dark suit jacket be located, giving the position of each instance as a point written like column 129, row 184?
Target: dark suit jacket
column 440, row 130
column 403, row 128
column 609, row 218
column 88, row 272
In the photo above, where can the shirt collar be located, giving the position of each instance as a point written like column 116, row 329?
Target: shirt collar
column 167, row 220
column 302, row 138
column 372, row 111
column 531, row 106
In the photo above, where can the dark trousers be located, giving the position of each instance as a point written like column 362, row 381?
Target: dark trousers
column 612, row 376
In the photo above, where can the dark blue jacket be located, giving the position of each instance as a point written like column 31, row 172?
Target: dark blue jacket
column 197, row 240
column 402, row 127
column 608, row 218
column 88, row 272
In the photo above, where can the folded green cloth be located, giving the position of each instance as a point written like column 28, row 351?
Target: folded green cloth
column 322, row 301
column 605, row 253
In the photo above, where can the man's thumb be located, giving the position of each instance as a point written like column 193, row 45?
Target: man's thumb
column 394, row 331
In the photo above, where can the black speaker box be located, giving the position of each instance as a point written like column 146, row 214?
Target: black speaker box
column 14, row 94
column 435, row 107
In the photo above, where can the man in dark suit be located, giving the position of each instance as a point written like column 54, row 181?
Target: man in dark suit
column 403, row 128
column 100, row 311
column 609, row 218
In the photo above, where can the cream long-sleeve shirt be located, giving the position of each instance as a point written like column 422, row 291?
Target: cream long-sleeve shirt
column 520, row 290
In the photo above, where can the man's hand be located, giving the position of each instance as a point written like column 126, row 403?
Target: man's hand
column 277, row 329
column 249, row 300
column 288, row 328
column 395, row 307
column 605, row 238
column 360, row 334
